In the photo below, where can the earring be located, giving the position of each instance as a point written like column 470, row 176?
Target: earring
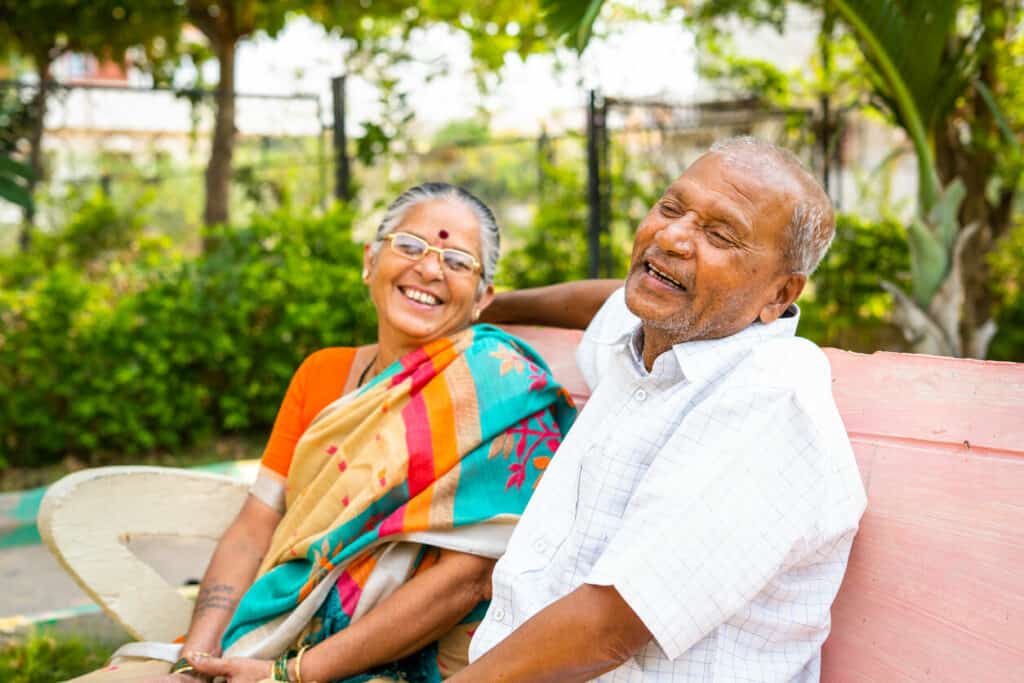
column 476, row 314
column 366, row 273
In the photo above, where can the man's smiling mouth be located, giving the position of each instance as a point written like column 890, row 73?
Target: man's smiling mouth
column 664, row 277
column 419, row 296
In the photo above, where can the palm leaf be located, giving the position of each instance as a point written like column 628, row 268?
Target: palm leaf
column 1000, row 116
column 11, row 167
column 573, row 19
column 14, row 177
column 905, row 41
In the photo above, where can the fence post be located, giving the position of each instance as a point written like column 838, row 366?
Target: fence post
column 545, row 158
column 342, row 184
column 826, row 143
column 321, row 152
column 605, row 186
column 594, row 122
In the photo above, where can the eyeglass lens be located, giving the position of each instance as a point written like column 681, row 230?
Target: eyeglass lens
column 416, row 248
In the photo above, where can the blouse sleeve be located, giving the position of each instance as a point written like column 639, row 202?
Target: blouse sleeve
column 319, row 380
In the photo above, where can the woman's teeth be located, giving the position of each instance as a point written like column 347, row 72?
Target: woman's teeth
column 421, row 297
column 663, row 277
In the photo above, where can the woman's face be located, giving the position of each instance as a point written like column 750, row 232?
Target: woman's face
column 420, row 301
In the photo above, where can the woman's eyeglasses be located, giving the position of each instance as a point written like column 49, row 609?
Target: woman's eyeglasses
column 415, row 248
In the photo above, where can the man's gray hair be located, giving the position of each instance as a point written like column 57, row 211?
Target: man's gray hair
column 490, row 238
column 812, row 224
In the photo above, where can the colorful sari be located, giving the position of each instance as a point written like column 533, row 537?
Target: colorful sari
column 441, row 450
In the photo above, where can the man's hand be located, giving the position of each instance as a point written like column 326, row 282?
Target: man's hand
column 234, row 669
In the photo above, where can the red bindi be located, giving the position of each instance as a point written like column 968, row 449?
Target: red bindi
column 443, row 234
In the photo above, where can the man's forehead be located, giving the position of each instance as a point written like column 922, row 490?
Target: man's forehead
column 751, row 171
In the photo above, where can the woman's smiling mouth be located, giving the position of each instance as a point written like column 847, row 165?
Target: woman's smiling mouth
column 419, row 296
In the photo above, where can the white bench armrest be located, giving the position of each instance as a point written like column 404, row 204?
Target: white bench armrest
column 87, row 519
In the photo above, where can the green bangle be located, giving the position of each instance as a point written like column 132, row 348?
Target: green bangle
column 181, row 666
column 281, row 667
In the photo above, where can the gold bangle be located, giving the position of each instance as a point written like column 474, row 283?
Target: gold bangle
column 298, row 663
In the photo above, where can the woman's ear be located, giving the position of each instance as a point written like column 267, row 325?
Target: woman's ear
column 483, row 301
column 367, row 261
column 787, row 290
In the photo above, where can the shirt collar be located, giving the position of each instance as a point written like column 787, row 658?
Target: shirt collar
column 701, row 360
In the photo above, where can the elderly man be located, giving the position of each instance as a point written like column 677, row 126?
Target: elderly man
column 696, row 523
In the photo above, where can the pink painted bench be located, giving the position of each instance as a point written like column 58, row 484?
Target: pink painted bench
column 935, row 585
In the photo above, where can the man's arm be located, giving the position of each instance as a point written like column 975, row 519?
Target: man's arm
column 570, row 304
column 579, row 637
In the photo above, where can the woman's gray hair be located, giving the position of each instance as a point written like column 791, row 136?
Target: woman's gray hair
column 490, row 238
column 812, row 224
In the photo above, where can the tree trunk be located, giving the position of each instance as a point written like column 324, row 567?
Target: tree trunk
column 975, row 163
column 218, row 171
column 36, row 146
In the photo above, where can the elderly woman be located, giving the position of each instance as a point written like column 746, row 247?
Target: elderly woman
column 391, row 481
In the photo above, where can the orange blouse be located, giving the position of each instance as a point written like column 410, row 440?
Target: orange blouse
column 319, row 381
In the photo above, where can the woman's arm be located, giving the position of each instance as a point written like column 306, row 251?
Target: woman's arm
column 570, row 304
column 422, row 610
column 425, row 608
column 231, row 572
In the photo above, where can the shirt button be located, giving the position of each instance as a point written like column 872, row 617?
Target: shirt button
column 499, row 614
column 539, row 545
column 640, row 394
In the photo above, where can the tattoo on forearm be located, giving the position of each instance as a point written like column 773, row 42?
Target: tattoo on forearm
column 217, row 596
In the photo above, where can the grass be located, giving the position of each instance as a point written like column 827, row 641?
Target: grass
column 221, row 449
column 45, row 657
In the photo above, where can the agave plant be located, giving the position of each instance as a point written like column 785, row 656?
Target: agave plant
column 920, row 65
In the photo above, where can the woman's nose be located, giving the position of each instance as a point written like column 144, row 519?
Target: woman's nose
column 430, row 266
column 678, row 238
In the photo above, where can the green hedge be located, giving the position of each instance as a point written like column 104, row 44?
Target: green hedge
column 160, row 350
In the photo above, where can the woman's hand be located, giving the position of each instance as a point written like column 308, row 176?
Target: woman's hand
column 234, row 669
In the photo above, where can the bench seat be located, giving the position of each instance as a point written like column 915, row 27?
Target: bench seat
column 935, row 585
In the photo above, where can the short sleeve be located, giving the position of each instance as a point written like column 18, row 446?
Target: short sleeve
column 726, row 504
column 319, row 380
column 608, row 328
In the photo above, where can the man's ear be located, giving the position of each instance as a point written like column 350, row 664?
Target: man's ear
column 787, row 289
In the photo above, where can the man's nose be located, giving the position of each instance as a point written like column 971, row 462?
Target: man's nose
column 678, row 237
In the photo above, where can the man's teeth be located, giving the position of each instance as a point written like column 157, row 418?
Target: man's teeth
column 421, row 297
column 662, row 276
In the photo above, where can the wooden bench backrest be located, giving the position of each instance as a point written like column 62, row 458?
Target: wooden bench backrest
column 935, row 585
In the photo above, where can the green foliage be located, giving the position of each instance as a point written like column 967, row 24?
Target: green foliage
column 1008, row 268
column 95, row 232
column 14, row 179
column 193, row 346
column 844, row 305
column 574, row 20
column 553, row 248
column 43, row 658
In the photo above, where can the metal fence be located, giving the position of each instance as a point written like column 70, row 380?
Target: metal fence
column 150, row 146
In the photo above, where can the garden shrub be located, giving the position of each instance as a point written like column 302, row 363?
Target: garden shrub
column 844, row 305
column 1007, row 263
column 44, row 657
column 195, row 345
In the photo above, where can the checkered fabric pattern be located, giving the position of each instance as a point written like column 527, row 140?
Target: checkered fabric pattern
column 718, row 494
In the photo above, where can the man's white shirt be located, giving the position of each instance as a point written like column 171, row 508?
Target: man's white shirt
column 718, row 494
